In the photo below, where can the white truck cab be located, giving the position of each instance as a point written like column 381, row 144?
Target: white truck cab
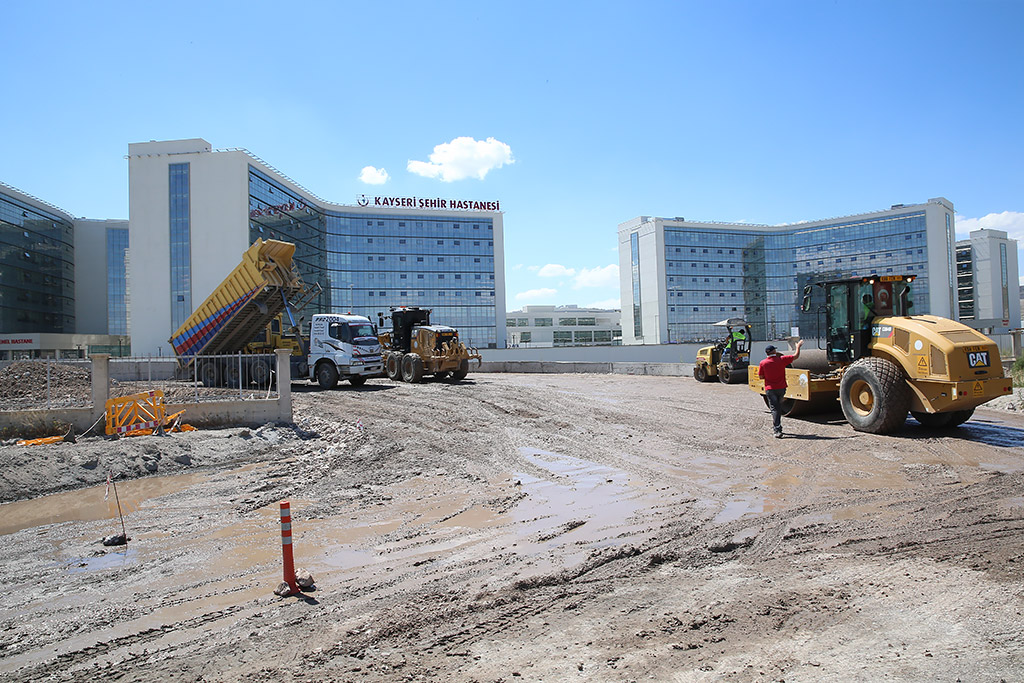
column 343, row 347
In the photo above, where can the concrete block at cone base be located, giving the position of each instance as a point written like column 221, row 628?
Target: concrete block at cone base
column 303, row 578
column 283, row 589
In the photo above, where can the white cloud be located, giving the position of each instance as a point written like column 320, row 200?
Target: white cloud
column 607, row 276
column 1011, row 222
column 606, row 303
column 555, row 270
column 536, row 294
column 373, row 176
column 463, row 158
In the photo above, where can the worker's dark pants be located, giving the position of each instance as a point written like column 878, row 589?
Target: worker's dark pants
column 774, row 397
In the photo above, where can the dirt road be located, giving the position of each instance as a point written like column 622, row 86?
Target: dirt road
column 523, row 528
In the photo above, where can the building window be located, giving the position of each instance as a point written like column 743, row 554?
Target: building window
column 180, row 246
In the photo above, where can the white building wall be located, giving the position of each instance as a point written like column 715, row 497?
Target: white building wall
column 653, row 289
column 941, row 257
column 995, row 302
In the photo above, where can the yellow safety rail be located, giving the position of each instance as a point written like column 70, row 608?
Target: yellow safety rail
column 138, row 411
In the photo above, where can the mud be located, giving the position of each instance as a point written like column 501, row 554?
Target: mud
column 522, row 527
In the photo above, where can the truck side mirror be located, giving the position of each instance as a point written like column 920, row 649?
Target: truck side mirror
column 805, row 305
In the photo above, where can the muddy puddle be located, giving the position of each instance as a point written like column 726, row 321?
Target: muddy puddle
column 91, row 504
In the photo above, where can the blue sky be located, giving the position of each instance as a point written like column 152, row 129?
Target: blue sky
column 576, row 116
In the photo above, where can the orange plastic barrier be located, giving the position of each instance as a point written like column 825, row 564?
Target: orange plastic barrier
column 135, row 412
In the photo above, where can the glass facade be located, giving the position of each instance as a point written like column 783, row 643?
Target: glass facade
column 634, row 262
column 965, row 281
column 180, row 244
column 367, row 262
column 37, row 271
column 1004, row 281
column 715, row 272
column 117, row 281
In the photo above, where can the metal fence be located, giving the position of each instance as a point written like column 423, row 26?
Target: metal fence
column 48, row 383
column 196, row 379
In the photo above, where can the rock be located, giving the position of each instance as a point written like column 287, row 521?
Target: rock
column 283, row 589
column 115, row 539
column 245, row 434
column 183, row 459
column 303, row 578
column 89, row 463
column 150, row 465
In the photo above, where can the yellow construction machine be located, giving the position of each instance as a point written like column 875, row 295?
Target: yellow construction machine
column 414, row 347
column 883, row 362
column 727, row 360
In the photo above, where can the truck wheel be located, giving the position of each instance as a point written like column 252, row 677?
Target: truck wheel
column 960, row 416
column 412, row 368
column 460, row 374
column 232, row 374
column 357, row 380
column 393, row 366
column 208, row 373
column 700, row 372
column 326, row 376
column 259, row 372
column 874, row 396
column 932, row 420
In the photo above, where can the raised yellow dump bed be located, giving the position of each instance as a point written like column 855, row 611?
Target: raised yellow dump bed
column 252, row 295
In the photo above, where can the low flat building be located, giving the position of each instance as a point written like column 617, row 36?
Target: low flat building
column 548, row 326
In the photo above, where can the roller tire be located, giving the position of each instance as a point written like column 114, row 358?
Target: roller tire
column 460, row 374
column 960, row 416
column 393, row 366
column 700, row 373
column 874, row 396
column 327, row 376
column 932, row 420
column 412, row 368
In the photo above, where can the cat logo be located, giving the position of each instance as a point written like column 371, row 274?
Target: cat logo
column 977, row 359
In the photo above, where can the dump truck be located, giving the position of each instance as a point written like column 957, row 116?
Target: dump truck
column 247, row 313
column 414, row 347
column 881, row 361
column 727, row 360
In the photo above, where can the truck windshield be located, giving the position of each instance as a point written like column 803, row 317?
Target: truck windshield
column 363, row 334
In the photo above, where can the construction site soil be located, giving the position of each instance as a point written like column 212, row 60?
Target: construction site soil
column 522, row 527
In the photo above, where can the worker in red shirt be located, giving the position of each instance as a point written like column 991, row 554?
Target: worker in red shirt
column 773, row 371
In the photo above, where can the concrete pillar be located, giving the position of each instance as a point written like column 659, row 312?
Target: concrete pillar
column 100, row 383
column 284, row 384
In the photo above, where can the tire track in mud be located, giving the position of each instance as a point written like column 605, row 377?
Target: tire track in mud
column 61, row 665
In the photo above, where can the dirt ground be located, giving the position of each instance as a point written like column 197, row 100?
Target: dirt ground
column 522, row 528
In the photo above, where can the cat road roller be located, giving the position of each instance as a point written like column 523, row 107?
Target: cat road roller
column 882, row 361
column 414, row 348
column 729, row 358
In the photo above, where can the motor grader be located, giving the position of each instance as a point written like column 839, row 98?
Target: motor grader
column 414, row 348
column 882, row 361
column 727, row 360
